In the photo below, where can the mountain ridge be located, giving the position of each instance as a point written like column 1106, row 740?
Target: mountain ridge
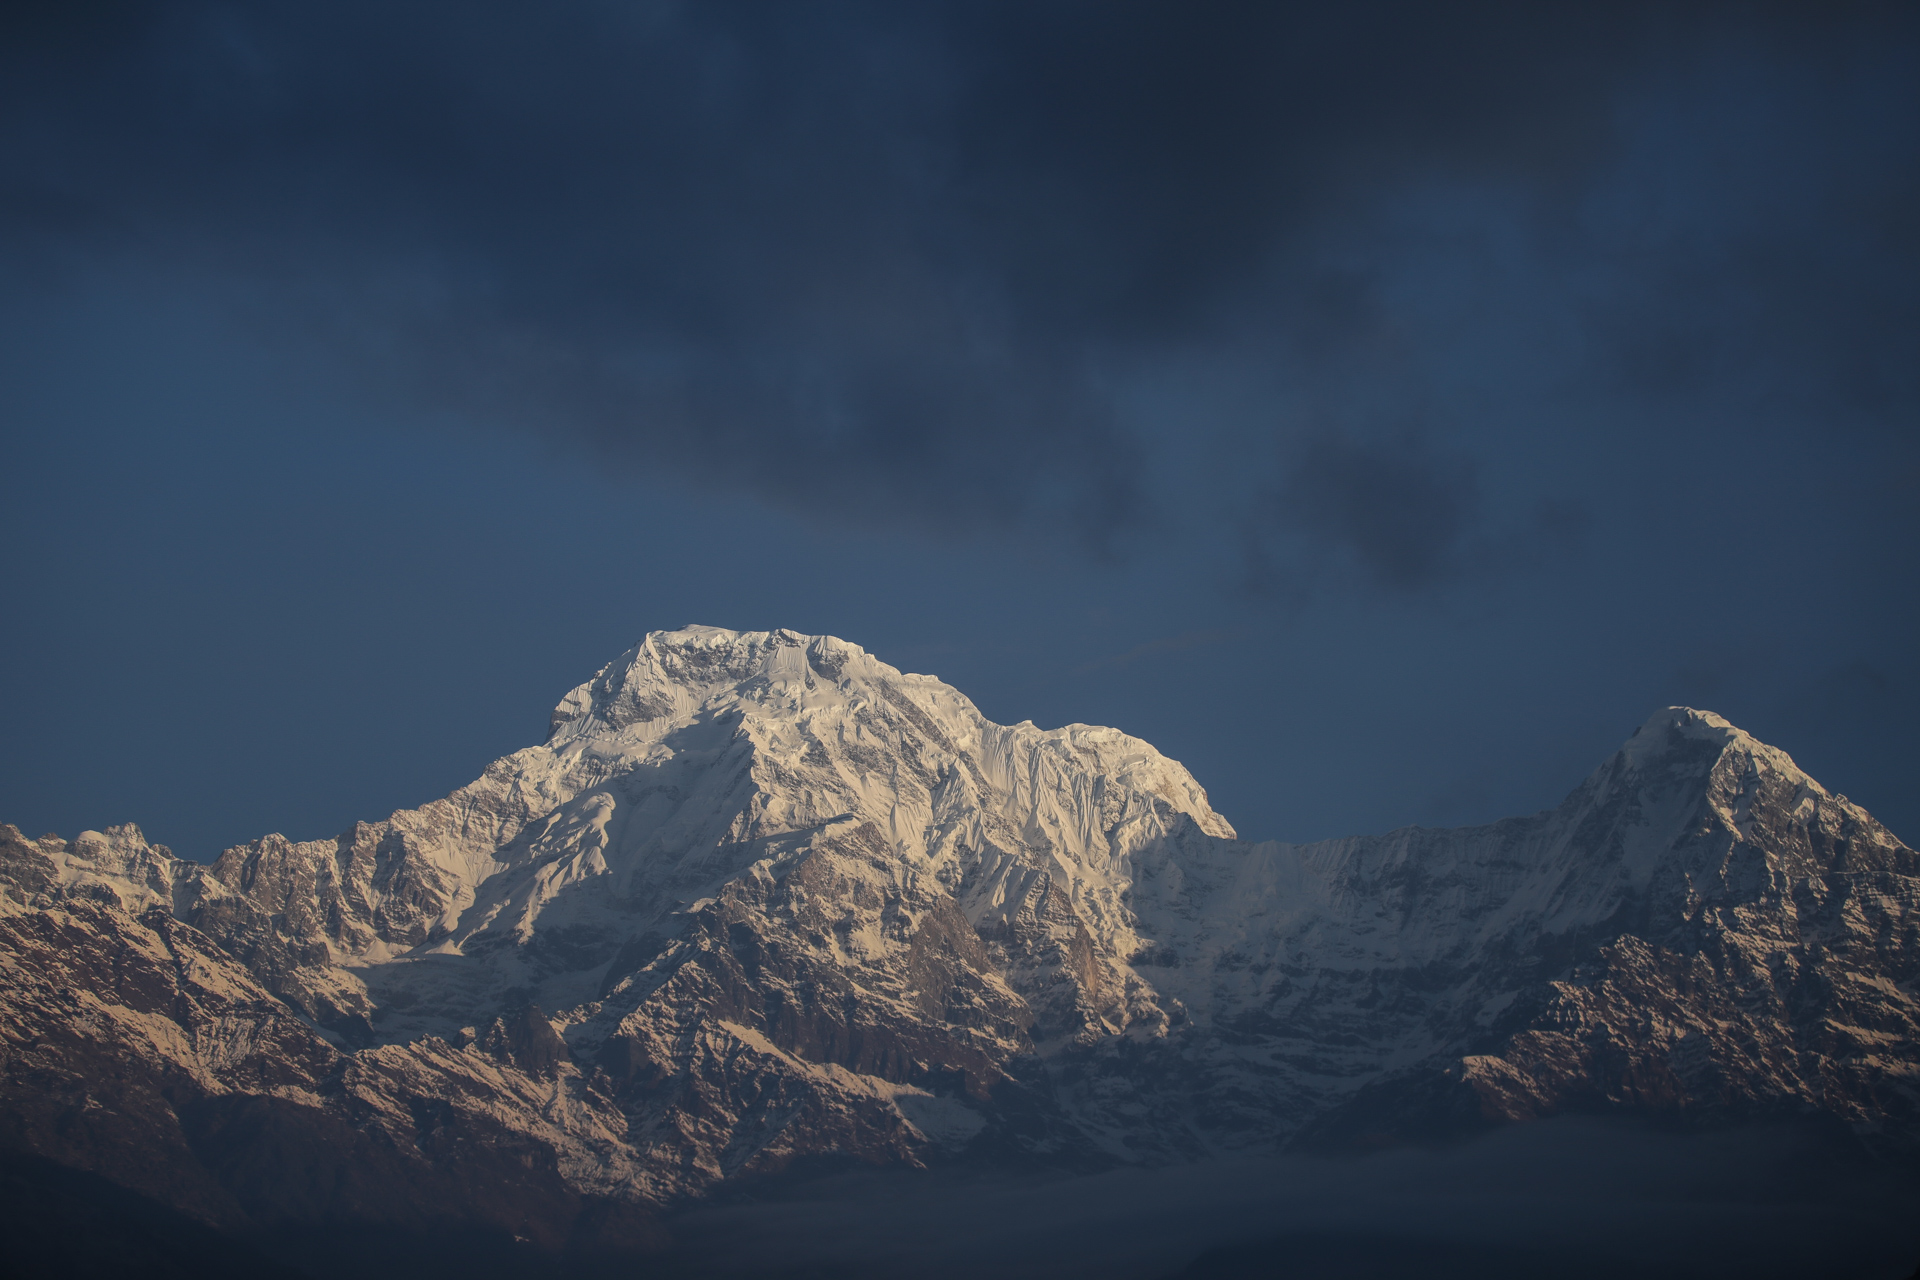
column 760, row 897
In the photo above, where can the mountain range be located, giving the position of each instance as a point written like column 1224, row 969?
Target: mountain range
column 762, row 903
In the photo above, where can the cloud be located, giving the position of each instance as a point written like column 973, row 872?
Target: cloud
column 1402, row 515
column 895, row 267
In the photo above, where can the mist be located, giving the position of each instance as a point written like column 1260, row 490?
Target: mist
column 1568, row 1197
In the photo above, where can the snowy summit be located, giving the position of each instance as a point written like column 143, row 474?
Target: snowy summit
column 760, row 895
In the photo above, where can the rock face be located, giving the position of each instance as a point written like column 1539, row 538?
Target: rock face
column 761, row 897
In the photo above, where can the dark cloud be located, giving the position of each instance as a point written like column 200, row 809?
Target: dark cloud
column 1403, row 517
column 897, row 266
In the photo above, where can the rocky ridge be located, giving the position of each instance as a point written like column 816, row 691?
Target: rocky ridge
column 760, row 897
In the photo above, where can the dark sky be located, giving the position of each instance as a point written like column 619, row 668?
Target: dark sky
column 1379, row 408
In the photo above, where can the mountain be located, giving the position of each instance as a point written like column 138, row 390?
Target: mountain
column 761, row 900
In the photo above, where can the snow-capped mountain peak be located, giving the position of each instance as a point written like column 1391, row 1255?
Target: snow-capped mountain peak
column 760, row 894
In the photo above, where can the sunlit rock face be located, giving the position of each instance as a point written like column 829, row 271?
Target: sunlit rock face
column 761, row 897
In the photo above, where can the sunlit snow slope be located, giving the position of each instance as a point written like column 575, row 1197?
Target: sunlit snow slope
column 761, row 896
